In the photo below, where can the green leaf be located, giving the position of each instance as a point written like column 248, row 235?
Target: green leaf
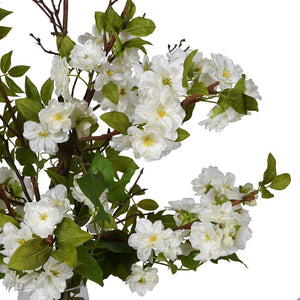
column 240, row 85
column 231, row 257
column 87, row 266
column 65, row 45
column 188, row 111
column 130, row 10
column 187, row 66
column 99, row 20
column 31, row 90
column 29, row 170
column 111, row 92
column 47, row 90
column 116, row 120
column 148, row 204
column 6, row 62
column 198, row 88
column 270, row 172
column 136, row 43
column 29, row 109
column 182, row 135
column 30, row 255
column 93, row 185
column 13, row 86
column 4, row 31
column 235, row 99
column 280, row 182
column 55, row 177
column 8, row 219
column 111, row 19
column 140, row 27
column 123, row 164
column 4, row 13
column 66, row 255
column 114, row 246
column 102, row 164
column 18, row 71
column 68, row 233
column 189, row 262
column 25, row 156
column 265, row 193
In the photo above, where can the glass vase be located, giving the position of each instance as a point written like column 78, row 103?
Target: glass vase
column 78, row 292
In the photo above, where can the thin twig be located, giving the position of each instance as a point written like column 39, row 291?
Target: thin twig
column 38, row 41
column 3, row 196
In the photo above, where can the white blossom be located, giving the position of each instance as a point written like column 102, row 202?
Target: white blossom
column 12, row 238
column 57, row 116
column 60, row 74
column 41, row 139
column 42, row 217
column 207, row 238
column 163, row 75
column 149, row 237
column 87, row 57
column 58, row 197
column 142, row 280
column 225, row 71
column 218, row 121
column 82, row 117
column 163, row 110
column 252, row 89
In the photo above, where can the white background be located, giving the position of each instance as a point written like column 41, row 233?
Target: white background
column 263, row 37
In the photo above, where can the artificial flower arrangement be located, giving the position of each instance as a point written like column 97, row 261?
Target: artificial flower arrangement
column 94, row 220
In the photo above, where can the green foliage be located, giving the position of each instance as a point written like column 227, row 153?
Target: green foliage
column 8, row 219
column 4, row 31
column 47, row 90
column 148, row 204
column 182, row 135
column 187, row 67
column 198, row 88
column 25, row 156
column 67, row 255
column 6, row 62
column 189, row 262
column 29, row 109
column 31, row 90
column 30, row 255
column 65, row 45
column 276, row 182
column 4, row 13
column 87, row 266
column 68, row 233
column 18, row 71
column 136, row 43
column 140, row 27
column 231, row 257
column 236, row 98
column 111, row 92
column 116, row 120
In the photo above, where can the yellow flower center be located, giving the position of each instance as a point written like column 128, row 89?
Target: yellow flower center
column 207, row 237
column 167, row 81
column 43, row 216
column 226, row 74
column 42, row 134
column 55, row 273
column 161, row 112
column 110, row 72
column 142, row 280
column 21, row 241
column 57, row 117
column 153, row 238
column 148, row 142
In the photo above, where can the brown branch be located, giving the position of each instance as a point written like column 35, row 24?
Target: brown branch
column 186, row 226
column 4, row 197
column 135, row 183
column 249, row 197
column 65, row 18
column 38, row 41
column 197, row 97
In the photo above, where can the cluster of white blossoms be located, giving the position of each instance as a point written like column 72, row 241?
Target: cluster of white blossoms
column 149, row 93
column 40, row 220
column 214, row 227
